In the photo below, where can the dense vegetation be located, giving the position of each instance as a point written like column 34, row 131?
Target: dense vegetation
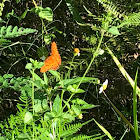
column 94, row 95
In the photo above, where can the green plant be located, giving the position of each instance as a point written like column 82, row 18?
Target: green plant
column 45, row 113
column 51, row 107
column 108, row 25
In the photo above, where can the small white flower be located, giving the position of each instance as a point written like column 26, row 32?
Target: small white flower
column 101, row 52
column 78, row 54
column 104, row 86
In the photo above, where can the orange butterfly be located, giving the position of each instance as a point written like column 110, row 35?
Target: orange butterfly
column 53, row 61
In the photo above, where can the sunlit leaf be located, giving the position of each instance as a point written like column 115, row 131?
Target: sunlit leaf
column 114, row 30
column 46, row 13
column 104, row 130
column 28, row 66
column 55, row 73
column 28, row 118
column 56, row 104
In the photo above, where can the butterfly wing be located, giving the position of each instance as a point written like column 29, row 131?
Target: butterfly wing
column 53, row 61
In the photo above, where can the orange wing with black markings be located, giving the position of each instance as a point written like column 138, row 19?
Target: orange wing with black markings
column 53, row 61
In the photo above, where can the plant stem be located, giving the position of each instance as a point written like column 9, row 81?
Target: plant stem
column 33, row 92
column 34, row 3
column 87, row 68
column 68, row 101
column 123, row 71
column 33, row 99
column 121, row 115
column 94, row 55
column 68, row 74
column 60, row 106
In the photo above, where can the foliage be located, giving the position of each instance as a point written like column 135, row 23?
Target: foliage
column 51, row 107
column 43, row 118
column 108, row 24
column 8, row 32
column 2, row 7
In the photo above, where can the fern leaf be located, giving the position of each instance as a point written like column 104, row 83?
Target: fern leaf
column 2, row 30
column 8, row 32
column 4, row 41
column 111, row 8
column 80, row 137
column 70, row 129
column 85, row 137
column 132, row 19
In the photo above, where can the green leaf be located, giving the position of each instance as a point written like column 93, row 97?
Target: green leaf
column 37, row 106
column 45, row 104
column 74, row 11
column 79, row 101
column 56, row 104
column 104, row 130
column 1, row 79
column 8, row 32
column 39, row 65
column 135, row 107
column 5, row 83
column 68, row 117
column 24, row 14
column 46, row 13
column 88, row 106
column 48, row 37
column 23, row 136
column 28, row 118
column 29, row 66
column 45, row 78
column 73, row 89
column 17, row 1
column 37, row 83
column 8, row 76
column 37, row 77
column 79, row 91
column 114, row 30
column 49, row 116
column 55, row 73
column 2, row 138
column 68, row 82
column 76, row 109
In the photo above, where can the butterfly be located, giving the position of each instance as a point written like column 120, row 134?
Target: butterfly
column 53, row 61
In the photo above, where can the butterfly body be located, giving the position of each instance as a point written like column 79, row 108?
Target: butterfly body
column 53, row 61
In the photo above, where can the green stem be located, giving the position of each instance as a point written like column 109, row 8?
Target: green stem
column 68, row 74
column 60, row 106
column 92, row 59
column 68, row 100
column 121, row 115
column 123, row 71
column 33, row 100
column 33, row 92
column 35, row 3
column 87, row 68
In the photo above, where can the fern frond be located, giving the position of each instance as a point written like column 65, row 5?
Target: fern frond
column 132, row 19
column 70, row 129
column 85, row 137
column 79, row 137
column 111, row 8
column 8, row 32
column 4, row 41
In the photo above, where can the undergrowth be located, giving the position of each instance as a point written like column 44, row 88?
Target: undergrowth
column 49, row 105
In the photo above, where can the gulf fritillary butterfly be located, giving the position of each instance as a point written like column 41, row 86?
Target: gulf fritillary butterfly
column 53, row 61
